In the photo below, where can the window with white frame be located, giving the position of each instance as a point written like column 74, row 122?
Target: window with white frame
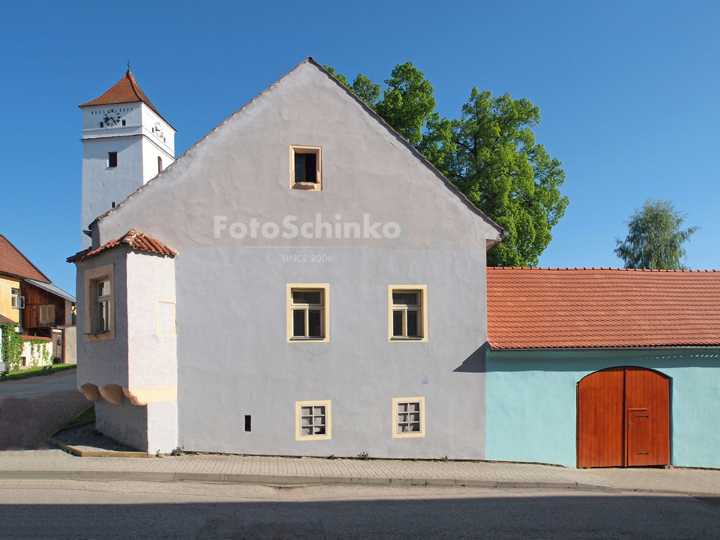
column 409, row 419
column 308, row 313
column 16, row 301
column 312, row 420
column 408, row 316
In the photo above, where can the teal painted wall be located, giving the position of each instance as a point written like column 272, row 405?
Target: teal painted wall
column 531, row 402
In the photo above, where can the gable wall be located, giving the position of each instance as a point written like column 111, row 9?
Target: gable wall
column 233, row 354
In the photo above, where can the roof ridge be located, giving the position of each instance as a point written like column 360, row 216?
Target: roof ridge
column 605, row 269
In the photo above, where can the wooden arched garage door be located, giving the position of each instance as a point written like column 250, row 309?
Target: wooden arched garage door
column 623, row 418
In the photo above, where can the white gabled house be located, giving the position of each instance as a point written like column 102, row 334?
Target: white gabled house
column 300, row 282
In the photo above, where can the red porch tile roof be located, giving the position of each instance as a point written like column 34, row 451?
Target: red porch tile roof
column 14, row 263
column 531, row 308
column 135, row 239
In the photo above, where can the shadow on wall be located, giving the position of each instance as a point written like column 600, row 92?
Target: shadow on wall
column 489, row 514
column 475, row 363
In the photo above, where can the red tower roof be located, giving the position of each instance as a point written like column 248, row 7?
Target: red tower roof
column 126, row 90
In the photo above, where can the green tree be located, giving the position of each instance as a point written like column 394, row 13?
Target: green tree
column 655, row 239
column 490, row 154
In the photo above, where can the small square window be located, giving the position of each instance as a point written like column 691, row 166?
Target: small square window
column 408, row 312
column 308, row 312
column 123, row 122
column 409, row 417
column 312, row 420
column 306, row 168
column 112, row 159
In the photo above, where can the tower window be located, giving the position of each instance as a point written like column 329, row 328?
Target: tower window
column 159, row 164
column 123, row 122
column 112, row 159
column 101, row 124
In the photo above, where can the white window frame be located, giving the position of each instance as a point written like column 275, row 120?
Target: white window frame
column 396, row 421
column 299, row 405
column 324, row 289
column 16, row 300
column 307, row 186
column 422, row 308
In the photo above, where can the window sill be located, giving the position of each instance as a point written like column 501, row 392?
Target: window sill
column 408, row 339
column 99, row 336
column 302, row 339
column 307, row 186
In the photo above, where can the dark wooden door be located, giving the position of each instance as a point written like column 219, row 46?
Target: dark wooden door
column 623, row 418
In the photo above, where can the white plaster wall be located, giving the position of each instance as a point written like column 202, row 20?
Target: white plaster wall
column 162, row 426
column 36, row 360
column 151, row 151
column 70, row 344
column 104, row 362
column 126, row 423
column 103, row 185
column 150, row 120
column 92, row 116
column 152, row 359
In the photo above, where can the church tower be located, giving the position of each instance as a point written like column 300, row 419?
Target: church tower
column 126, row 142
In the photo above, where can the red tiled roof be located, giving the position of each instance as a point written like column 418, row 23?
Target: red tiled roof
column 14, row 263
column 126, row 90
column 41, row 338
column 135, row 239
column 4, row 319
column 530, row 308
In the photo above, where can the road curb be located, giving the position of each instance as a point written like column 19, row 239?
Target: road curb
column 168, row 476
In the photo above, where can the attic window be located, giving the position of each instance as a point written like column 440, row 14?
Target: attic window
column 112, row 159
column 306, row 168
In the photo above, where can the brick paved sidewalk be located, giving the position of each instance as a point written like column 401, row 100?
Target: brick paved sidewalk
column 257, row 469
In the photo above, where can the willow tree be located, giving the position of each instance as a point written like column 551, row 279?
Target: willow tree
column 655, row 238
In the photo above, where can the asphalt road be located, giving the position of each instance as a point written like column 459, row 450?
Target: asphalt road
column 39, row 386
column 131, row 510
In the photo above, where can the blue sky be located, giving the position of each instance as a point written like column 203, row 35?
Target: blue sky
column 629, row 94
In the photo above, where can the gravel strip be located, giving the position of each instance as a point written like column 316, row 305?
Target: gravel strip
column 87, row 438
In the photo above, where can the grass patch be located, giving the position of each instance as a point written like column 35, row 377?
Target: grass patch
column 34, row 372
column 88, row 415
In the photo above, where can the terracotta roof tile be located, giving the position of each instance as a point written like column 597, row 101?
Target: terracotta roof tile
column 531, row 308
column 126, row 90
column 14, row 263
column 4, row 319
column 135, row 239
